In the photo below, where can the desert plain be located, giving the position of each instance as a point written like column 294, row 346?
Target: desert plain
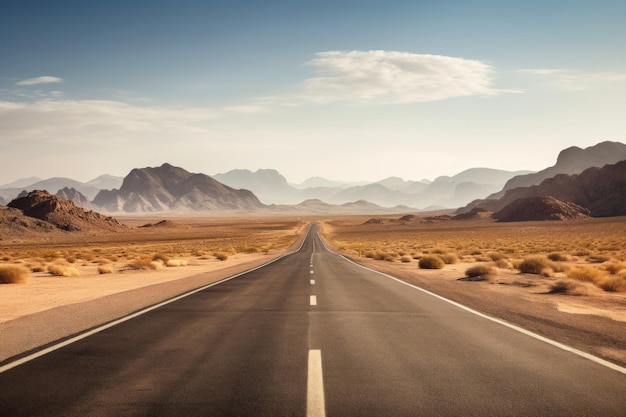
column 565, row 280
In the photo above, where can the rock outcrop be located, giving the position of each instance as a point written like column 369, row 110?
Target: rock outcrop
column 62, row 213
column 540, row 208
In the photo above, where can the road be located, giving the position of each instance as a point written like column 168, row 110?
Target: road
column 311, row 334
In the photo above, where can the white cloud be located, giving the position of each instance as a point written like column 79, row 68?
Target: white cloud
column 40, row 80
column 395, row 77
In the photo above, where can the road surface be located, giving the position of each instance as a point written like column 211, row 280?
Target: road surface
column 311, row 334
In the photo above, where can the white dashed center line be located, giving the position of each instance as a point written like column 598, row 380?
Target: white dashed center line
column 313, row 300
column 315, row 403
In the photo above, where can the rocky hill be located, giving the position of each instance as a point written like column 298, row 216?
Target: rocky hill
column 540, row 208
column 62, row 213
column 167, row 188
column 570, row 161
column 602, row 191
column 14, row 224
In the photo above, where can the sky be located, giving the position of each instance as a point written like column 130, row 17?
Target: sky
column 347, row 90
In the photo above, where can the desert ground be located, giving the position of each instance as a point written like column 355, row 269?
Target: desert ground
column 575, row 294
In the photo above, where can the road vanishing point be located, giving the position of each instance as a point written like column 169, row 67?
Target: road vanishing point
column 310, row 334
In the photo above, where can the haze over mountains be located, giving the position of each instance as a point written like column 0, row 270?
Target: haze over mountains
column 168, row 188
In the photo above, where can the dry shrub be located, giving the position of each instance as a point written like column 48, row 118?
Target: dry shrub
column 503, row 264
column 586, row 274
column 613, row 284
column 614, row 268
column 13, row 274
column 160, row 257
column 568, row 286
column 480, row 271
column 222, row 256
column 105, row 269
column 406, row 259
column 535, row 265
column 449, row 258
column 62, row 269
column 497, row 256
column 558, row 257
column 176, row 262
column 431, row 262
column 145, row 262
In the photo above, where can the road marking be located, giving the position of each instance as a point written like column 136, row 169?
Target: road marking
column 315, row 404
column 313, row 300
column 312, row 282
column 311, row 271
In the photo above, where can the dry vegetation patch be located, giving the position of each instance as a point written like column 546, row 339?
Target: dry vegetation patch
column 548, row 249
column 183, row 242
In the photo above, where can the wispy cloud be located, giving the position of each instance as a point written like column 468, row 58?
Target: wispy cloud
column 40, row 80
column 575, row 80
column 390, row 77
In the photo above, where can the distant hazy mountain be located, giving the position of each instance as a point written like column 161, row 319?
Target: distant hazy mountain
column 74, row 196
column 466, row 186
column 600, row 190
column 3, row 202
column 267, row 184
column 570, row 161
column 398, row 184
column 171, row 188
column 374, row 193
column 106, row 182
column 51, row 185
column 272, row 188
column 22, row 182
column 316, row 182
column 314, row 206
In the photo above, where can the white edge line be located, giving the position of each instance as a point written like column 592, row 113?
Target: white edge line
column 98, row 329
column 559, row 345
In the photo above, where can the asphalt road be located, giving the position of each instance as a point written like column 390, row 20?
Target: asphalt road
column 311, row 334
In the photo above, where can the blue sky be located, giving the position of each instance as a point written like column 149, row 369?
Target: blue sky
column 352, row 90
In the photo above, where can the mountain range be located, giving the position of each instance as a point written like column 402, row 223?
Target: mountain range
column 168, row 188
